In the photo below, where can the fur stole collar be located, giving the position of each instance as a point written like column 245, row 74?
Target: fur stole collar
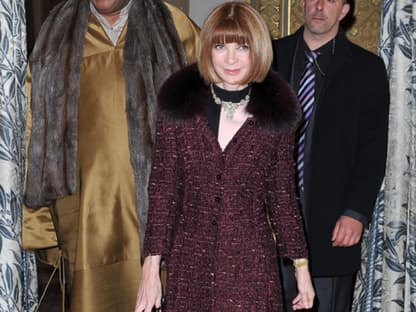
column 272, row 102
column 152, row 52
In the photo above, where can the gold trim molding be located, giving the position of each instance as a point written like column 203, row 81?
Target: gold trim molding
column 274, row 13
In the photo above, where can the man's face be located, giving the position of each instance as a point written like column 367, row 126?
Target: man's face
column 109, row 7
column 322, row 17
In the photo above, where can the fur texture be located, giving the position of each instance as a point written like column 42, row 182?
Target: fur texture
column 152, row 52
column 272, row 102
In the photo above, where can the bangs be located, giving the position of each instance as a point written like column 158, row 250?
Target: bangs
column 228, row 32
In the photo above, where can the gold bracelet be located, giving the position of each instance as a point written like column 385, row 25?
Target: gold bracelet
column 300, row 263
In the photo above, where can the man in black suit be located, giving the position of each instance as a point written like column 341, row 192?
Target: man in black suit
column 344, row 152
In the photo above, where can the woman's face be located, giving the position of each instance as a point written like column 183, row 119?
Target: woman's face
column 232, row 63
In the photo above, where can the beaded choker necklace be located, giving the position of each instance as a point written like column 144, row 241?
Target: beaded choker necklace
column 230, row 107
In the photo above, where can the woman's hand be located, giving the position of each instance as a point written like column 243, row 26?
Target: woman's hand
column 306, row 295
column 150, row 289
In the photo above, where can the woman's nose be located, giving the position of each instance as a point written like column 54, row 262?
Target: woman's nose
column 231, row 56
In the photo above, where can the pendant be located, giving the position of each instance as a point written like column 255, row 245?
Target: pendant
column 229, row 107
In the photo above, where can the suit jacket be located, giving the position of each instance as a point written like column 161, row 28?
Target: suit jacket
column 207, row 215
column 347, row 152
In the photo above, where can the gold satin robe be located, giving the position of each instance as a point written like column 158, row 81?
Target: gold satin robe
column 97, row 228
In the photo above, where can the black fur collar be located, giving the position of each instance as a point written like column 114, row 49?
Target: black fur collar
column 273, row 103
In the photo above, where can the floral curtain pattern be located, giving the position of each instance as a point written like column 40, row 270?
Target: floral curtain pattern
column 387, row 280
column 17, row 269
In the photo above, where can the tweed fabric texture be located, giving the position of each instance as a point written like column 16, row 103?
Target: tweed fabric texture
column 208, row 208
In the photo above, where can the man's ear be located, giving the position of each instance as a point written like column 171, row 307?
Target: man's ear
column 344, row 11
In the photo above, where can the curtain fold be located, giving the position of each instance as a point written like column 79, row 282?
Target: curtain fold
column 18, row 291
column 387, row 280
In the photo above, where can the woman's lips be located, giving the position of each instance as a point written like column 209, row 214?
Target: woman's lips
column 232, row 71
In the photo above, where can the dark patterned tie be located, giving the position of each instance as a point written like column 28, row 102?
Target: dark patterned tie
column 306, row 96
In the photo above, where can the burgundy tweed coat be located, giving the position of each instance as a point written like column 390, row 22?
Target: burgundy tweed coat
column 208, row 208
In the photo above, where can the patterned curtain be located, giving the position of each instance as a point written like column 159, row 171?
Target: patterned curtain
column 17, row 273
column 387, row 280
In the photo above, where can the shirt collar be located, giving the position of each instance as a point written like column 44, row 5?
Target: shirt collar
column 113, row 31
column 327, row 49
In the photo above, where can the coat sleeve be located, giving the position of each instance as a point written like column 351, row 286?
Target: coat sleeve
column 38, row 231
column 164, row 191
column 369, row 167
column 284, row 212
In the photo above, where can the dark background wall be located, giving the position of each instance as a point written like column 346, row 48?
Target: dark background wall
column 36, row 12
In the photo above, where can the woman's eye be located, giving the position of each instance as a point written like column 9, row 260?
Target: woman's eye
column 244, row 47
column 219, row 46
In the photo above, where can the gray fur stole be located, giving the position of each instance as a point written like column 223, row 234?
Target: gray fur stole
column 151, row 53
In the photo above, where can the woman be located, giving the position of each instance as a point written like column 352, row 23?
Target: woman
column 222, row 182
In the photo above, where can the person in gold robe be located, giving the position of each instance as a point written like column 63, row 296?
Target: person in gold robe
column 95, row 71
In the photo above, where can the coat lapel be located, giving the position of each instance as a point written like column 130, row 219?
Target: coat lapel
column 341, row 56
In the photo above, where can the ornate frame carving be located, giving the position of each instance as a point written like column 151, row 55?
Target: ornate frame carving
column 275, row 13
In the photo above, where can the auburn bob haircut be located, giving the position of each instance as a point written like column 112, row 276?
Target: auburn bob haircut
column 235, row 22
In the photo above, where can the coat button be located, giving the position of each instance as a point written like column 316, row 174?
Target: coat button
column 214, row 222
column 219, row 176
column 217, row 199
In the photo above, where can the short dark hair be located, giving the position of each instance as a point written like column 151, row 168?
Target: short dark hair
column 236, row 22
